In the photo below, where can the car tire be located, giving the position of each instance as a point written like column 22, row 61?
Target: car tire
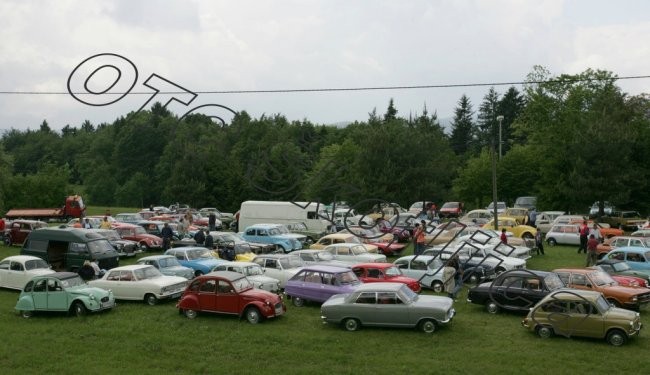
column 492, row 307
column 8, row 240
column 253, row 315
column 78, row 309
column 551, row 242
column 616, row 337
column 190, row 314
column 428, row 326
column 150, row 299
column 437, row 286
column 297, row 301
column 544, row 332
column 26, row 314
column 309, row 241
column 351, row 324
column 474, row 278
column 198, row 273
column 280, row 249
column 527, row 236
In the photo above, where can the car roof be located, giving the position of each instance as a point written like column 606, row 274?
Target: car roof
column 631, row 249
column 183, row 249
column 324, row 268
column 20, row 258
column 374, row 265
column 527, row 272
column 243, row 264
column 572, row 294
column 338, row 235
column 155, row 257
column 130, row 267
column 263, row 226
column 272, row 256
column 228, row 275
column 381, row 286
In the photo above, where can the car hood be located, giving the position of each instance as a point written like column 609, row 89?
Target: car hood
column 620, row 313
column 208, row 262
column 177, row 270
column 259, row 295
column 87, row 290
column 262, row 279
column 624, row 290
column 438, row 302
column 400, row 279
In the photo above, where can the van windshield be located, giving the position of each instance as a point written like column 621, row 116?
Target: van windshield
column 100, row 247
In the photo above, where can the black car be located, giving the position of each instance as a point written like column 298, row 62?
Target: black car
column 516, row 290
column 124, row 248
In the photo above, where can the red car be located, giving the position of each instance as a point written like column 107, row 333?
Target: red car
column 387, row 243
column 384, row 272
column 231, row 293
column 17, row 230
column 138, row 234
column 451, row 209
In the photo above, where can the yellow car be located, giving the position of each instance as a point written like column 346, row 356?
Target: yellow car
column 511, row 225
column 518, row 213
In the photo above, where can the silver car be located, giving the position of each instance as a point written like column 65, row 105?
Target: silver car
column 254, row 273
column 387, row 305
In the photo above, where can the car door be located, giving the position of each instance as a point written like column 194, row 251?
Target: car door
column 207, row 295
column 39, row 294
column 583, row 319
column 57, row 298
column 510, row 293
column 13, row 276
column 227, row 300
column 390, row 310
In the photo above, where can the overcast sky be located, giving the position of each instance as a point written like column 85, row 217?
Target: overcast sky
column 301, row 44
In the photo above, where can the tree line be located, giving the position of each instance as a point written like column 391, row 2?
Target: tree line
column 568, row 139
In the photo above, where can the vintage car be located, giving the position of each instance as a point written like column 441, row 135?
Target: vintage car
column 280, row 266
column 62, row 291
column 451, row 209
column 200, row 259
column 403, row 234
column 386, row 243
column 387, row 305
column 605, row 230
column 582, row 313
column 225, row 217
column 563, row 234
column 545, row 219
column 590, row 279
column 168, row 265
column 147, row 242
column 255, row 274
column 426, row 269
column 353, row 253
column 124, row 247
column 621, row 241
column 516, row 290
column 275, row 234
column 336, row 238
column 17, row 270
column 140, row 282
column 313, row 256
column 233, row 241
column 501, row 207
column 638, row 258
column 16, row 232
column 420, row 207
column 129, row 217
column 477, row 217
column 520, row 214
column 226, row 292
column 511, row 225
column 620, row 267
column 384, row 272
column 626, row 220
column 302, row 229
column 319, row 282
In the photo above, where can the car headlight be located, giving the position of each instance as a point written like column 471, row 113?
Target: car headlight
column 92, row 297
column 268, row 303
column 634, row 299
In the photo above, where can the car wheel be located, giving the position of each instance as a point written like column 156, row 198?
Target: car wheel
column 144, row 247
column 280, row 249
column 78, row 309
column 297, row 301
column 492, row 307
column 309, row 241
column 544, row 332
column 428, row 326
column 474, row 278
column 190, row 314
column 616, row 337
column 150, row 299
column 527, row 236
column 437, row 286
column 551, row 242
column 351, row 324
column 26, row 314
column 198, row 273
column 253, row 315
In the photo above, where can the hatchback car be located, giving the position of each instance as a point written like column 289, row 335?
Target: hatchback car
column 17, row 270
column 318, row 283
column 563, row 234
column 638, row 258
column 384, row 272
column 275, row 234
column 168, row 265
column 255, row 274
column 200, row 259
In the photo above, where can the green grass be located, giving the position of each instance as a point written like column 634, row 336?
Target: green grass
column 136, row 338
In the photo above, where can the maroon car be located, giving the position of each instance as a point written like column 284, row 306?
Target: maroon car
column 227, row 292
column 17, row 230
column 138, row 234
column 384, row 272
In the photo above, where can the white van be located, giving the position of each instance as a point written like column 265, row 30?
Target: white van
column 282, row 212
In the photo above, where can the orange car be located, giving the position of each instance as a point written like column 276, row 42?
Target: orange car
column 605, row 230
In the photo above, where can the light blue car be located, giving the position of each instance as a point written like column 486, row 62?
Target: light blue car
column 638, row 258
column 168, row 265
column 275, row 234
column 199, row 259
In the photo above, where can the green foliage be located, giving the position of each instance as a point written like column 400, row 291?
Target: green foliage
column 463, row 130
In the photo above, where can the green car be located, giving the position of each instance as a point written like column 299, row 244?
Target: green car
column 62, row 291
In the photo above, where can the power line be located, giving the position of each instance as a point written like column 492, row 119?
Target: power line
column 371, row 88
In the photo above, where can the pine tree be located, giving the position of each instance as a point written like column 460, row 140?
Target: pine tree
column 462, row 127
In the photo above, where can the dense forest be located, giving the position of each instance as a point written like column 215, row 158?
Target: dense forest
column 569, row 139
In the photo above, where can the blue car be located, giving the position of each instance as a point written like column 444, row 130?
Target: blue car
column 638, row 258
column 199, row 259
column 275, row 234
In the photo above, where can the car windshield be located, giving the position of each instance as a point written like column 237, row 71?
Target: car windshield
column 242, row 284
column 451, row 205
column 147, row 273
column 35, row 264
column 601, row 278
column 347, row 278
column 100, row 247
column 234, row 237
column 110, row 235
column 168, row 262
column 406, row 294
column 602, row 304
column 253, row 270
column 324, row 256
column 292, row 262
column 198, row 254
column 620, row 266
column 72, row 281
column 139, row 231
column 358, row 250
column 393, row 271
column 553, row 282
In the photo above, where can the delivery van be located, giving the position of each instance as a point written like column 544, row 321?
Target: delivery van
column 282, row 212
column 68, row 248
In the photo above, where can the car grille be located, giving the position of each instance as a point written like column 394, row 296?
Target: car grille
column 643, row 298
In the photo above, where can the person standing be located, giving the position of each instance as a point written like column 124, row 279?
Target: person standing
column 592, row 247
column 212, row 221
column 167, row 234
column 532, row 217
column 418, row 235
column 199, row 237
column 539, row 242
column 209, row 241
column 584, row 235
column 596, row 233
column 105, row 223
column 504, row 237
column 454, row 263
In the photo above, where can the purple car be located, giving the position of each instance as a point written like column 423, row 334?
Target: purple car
column 318, row 283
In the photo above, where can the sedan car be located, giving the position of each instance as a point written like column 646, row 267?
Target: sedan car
column 147, row 242
column 200, row 259
column 619, row 267
column 582, row 313
column 353, row 253
column 516, row 290
column 16, row 232
column 124, row 247
column 255, row 274
column 336, row 238
column 140, row 282
column 275, row 234
column 638, row 258
column 168, row 265
column 16, row 271
column 318, row 283
column 280, row 266
column 62, row 291
column 384, row 272
column 226, row 292
column 387, row 305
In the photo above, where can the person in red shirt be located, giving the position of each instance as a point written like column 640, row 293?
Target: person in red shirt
column 504, row 238
column 584, row 236
column 592, row 255
column 2, row 229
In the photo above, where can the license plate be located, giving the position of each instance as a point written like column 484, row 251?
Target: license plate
column 176, row 295
column 279, row 311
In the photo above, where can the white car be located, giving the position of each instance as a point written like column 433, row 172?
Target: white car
column 254, row 273
column 427, row 270
column 563, row 234
column 545, row 219
column 280, row 266
column 313, row 256
column 141, row 282
column 353, row 253
column 492, row 245
column 499, row 262
column 16, row 271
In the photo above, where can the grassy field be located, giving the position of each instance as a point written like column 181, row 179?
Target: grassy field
column 136, row 338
